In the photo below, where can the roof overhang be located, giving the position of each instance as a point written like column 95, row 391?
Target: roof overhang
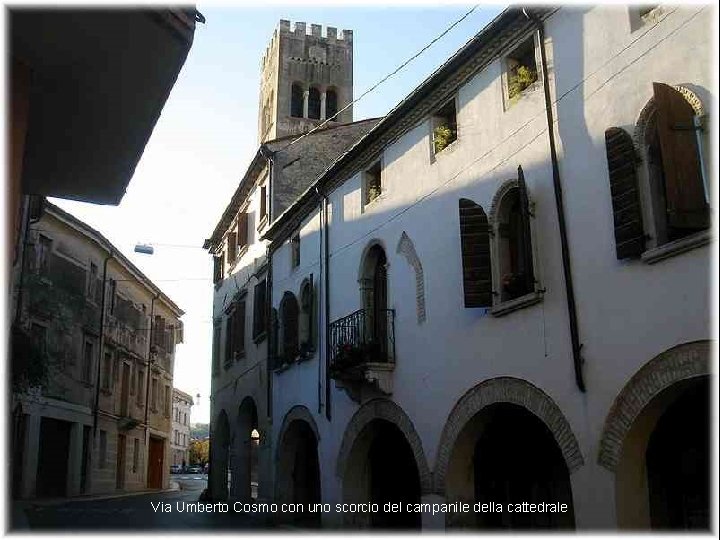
column 99, row 79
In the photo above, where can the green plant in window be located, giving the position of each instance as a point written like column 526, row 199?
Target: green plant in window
column 443, row 135
column 373, row 192
column 520, row 78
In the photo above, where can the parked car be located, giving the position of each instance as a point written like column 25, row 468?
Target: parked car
column 194, row 469
column 175, row 469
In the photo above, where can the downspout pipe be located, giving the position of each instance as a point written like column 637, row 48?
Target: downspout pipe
column 565, row 249
column 321, row 346
column 101, row 347
column 326, row 273
column 147, row 386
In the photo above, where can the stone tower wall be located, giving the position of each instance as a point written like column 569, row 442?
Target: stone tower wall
column 310, row 59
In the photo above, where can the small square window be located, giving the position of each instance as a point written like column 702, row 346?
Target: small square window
column 372, row 179
column 295, row 250
column 444, row 127
column 521, row 69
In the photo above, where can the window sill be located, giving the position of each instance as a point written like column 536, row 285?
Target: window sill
column 515, row 304
column 449, row 149
column 676, row 247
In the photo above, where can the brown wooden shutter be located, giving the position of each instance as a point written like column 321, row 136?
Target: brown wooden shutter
column 229, row 339
column 242, row 230
column 239, row 330
column 684, row 191
column 627, row 212
column 217, row 269
column 475, row 245
column 528, row 269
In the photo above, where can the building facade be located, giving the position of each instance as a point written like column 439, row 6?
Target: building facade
column 487, row 276
column 93, row 357
column 281, row 170
column 179, row 446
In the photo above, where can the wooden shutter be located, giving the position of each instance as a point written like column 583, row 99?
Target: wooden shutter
column 229, row 339
column 217, row 269
column 528, row 269
column 684, row 190
column 475, row 246
column 242, row 230
column 627, row 212
column 290, row 326
column 239, row 330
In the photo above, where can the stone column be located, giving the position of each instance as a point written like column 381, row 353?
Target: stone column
column 430, row 521
column 31, row 447
column 74, row 466
column 322, row 105
column 306, row 99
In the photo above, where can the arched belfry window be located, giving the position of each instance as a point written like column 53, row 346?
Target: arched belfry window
column 314, row 104
column 296, row 101
column 331, row 104
column 514, row 247
column 288, row 327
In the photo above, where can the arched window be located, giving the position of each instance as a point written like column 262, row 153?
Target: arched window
column 314, row 104
column 289, row 327
column 375, row 298
column 331, row 104
column 672, row 193
column 307, row 323
column 296, row 101
column 514, row 248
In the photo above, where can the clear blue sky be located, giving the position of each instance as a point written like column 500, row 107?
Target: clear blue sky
column 206, row 136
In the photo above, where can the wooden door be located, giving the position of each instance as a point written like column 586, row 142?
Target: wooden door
column 155, row 463
column 120, row 464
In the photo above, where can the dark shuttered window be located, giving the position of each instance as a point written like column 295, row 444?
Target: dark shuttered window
column 475, row 245
column 627, row 212
column 289, row 312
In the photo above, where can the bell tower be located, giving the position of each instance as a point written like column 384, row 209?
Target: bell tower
column 306, row 78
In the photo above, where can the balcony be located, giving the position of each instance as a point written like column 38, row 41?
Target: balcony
column 361, row 347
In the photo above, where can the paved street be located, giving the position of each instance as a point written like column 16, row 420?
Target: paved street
column 136, row 512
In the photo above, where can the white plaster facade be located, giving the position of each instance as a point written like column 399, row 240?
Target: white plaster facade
column 181, row 411
column 602, row 62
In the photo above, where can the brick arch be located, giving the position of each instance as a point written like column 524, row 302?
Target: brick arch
column 680, row 363
column 383, row 409
column 503, row 190
column 406, row 248
column 298, row 412
column 286, row 445
column 505, row 390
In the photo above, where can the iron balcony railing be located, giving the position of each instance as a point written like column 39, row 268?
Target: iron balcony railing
column 361, row 337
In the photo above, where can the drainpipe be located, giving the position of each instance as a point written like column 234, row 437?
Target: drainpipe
column 326, row 272
column 101, row 347
column 148, row 365
column 320, row 348
column 565, row 249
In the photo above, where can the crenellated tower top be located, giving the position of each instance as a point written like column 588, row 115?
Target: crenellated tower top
column 306, row 79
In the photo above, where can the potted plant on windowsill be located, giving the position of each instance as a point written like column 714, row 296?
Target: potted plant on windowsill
column 514, row 285
column 520, row 78
column 443, row 135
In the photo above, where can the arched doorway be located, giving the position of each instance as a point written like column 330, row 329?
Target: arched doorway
column 656, row 441
column 662, row 480
column 515, row 460
column 506, row 441
column 382, row 468
column 299, row 467
column 678, row 462
column 246, row 459
column 220, row 446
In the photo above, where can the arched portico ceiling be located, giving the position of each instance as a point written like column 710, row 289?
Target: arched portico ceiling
column 680, row 363
column 506, row 390
column 384, row 409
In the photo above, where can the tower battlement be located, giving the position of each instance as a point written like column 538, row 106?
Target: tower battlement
column 306, row 76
